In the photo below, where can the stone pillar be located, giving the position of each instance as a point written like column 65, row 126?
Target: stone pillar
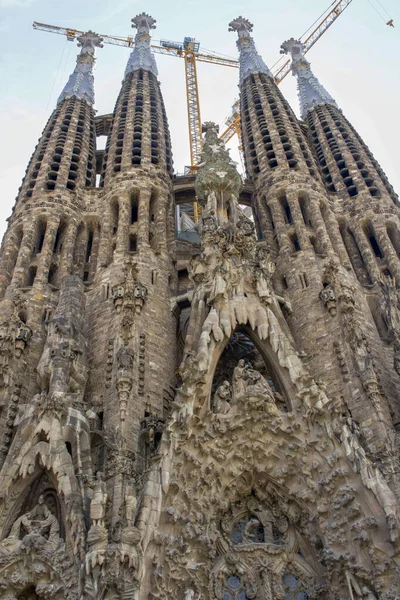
column 95, row 252
column 285, row 245
column 67, row 255
column 388, row 250
column 332, row 227
column 298, row 221
column 105, row 242
column 319, row 225
column 123, row 223
column 24, row 255
column 46, row 254
column 161, row 221
column 143, row 217
column 80, row 250
column 9, row 258
column 366, row 253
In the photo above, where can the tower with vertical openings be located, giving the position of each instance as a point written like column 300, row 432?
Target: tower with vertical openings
column 200, row 409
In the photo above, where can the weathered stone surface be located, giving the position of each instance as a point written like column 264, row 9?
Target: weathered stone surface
column 212, row 415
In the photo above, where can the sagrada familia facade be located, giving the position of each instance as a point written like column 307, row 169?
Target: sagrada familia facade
column 200, row 410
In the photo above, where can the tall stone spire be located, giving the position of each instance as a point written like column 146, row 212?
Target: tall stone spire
column 80, row 84
column 311, row 92
column 142, row 56
column 250, row 60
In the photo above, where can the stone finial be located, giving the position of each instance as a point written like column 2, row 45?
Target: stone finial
column 143, row 22
column 249, row 59
column 81, row 82
column 310, row 91
column 217, row 172
column 142, row 56
column 89, row 41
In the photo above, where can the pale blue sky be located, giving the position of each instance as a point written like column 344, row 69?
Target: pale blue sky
column 357, row 60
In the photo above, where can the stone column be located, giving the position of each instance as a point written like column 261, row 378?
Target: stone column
column 80, row 250
column 105, row 243
column 366, row 253
column 95, row 252
column 123, row 223
column 46, row 254
column 161, row 220
column 24, row 255
column 143, row 217
column 298, row 221
column 388, row 250
column 285, row 245
column 9, row 258
column 332, row 227
column 67, row 255
column 319, row 225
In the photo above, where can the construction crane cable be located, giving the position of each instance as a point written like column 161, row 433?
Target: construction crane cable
column 318, row 19
column 56, row 76
column 377, row 11
column 383, row 8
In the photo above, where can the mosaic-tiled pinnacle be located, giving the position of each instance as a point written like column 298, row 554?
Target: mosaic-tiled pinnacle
column 249, row 59
column 81, row 82
column 311, row 92
column 142, row 56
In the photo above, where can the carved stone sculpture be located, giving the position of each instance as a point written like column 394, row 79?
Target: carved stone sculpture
column 98, row 502
column 223, row 398
column 38, row 527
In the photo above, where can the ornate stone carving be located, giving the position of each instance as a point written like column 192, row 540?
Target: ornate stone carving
column 124, row 378
column 98, row 502
column 62, row 369
column 129, row 298
column 37, row 528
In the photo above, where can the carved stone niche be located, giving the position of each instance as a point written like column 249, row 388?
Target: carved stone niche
column 37, row 529
column 242, row 376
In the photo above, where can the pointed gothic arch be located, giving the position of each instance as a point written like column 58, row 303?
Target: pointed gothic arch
column 261, row 350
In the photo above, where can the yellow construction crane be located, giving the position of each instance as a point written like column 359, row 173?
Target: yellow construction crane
column 231, row 125
column 189, row 51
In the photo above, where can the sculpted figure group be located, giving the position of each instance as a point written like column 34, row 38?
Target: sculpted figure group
column 37, row 527
column 246, row 382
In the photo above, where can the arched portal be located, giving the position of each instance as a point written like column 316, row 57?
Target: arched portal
column 243, row 347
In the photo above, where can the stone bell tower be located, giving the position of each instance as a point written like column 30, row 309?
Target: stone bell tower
column 210, row 413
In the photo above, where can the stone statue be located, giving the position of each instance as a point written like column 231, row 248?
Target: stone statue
column 263, row 274
column 238, row 382
column 130, row 505
column 257, row 384
column 222, row 398
column 190, row 595
column 99, row 501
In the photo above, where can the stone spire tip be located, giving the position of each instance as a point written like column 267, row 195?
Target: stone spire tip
column 249, row 59
column 240, row 24
column 142, row 56
column 311, row 92
column 81, row 82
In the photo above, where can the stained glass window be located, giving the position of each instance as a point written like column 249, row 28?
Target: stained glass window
column 234, row 589
column 294, row 588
